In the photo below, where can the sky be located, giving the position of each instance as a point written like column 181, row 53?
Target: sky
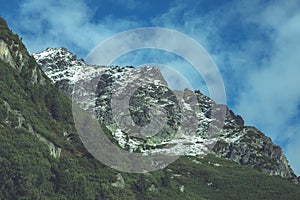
column 255, row 45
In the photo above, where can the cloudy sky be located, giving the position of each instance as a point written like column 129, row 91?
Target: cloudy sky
column 255, row 44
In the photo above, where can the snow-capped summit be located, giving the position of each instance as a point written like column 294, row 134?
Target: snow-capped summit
column 59, row 64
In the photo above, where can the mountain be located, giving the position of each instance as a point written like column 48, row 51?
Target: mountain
column 42, row 156
column 242, row 144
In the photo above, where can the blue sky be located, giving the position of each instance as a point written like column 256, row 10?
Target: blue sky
column 255, row 45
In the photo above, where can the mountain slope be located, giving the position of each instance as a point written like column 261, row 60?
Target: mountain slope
column 41, row 156
column 242, row 144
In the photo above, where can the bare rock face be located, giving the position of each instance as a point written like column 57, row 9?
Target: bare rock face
column 254, row 149
column 14, row 53
column 120, row 182
column 242, row 144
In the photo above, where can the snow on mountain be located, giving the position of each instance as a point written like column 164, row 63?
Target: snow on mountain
column 242, row 144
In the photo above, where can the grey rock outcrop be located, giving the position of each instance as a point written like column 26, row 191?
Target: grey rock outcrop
column 242, row 144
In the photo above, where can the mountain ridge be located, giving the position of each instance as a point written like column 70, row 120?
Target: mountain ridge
column 245, row 145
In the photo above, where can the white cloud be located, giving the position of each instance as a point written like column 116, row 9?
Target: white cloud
column 65, row 23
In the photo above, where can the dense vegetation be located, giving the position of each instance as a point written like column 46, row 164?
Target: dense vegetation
column 28, row 171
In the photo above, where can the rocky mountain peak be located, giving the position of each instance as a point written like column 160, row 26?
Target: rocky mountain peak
column 242, row 144
column 57, row 58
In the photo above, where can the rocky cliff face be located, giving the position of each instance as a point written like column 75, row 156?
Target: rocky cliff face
column 13, row 52
column 242, row 144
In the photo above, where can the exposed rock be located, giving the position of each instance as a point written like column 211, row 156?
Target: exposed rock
column 13, row 117
column 5, row 54
column 153, row 188
column 17, row 56
column 61, row 67
column 54, row 150
column 16, row 121
column 181, row 188
column 14, row 53
column 239, row 143
column 120, row 182
column 254, row 149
